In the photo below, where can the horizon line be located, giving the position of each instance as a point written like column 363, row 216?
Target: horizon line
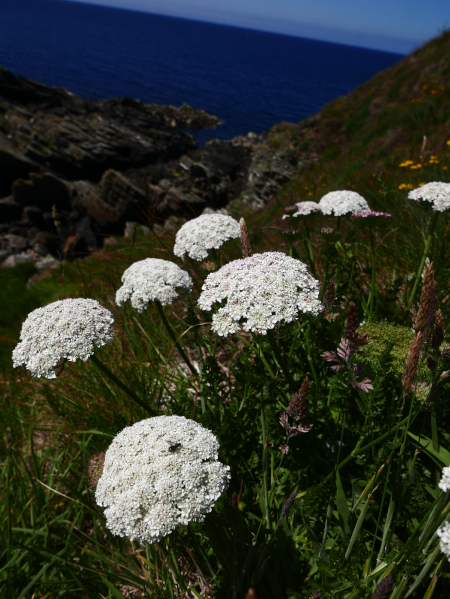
column 415, row 44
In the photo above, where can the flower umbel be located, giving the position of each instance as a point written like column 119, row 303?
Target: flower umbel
column 68, row 329
column 444, row 534
column 263, row 289
column 339, row 203
column 159, row 473
column 204, row 233
column 302, row 209
column 436, row 192
column 152, row 279
column 371, row 214
column 444, row 483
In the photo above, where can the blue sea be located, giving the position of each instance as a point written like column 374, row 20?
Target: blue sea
column 250, row 79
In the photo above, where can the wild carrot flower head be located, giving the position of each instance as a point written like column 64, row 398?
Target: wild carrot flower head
column 263, row 289
column 302, row 209
column 436, row 192
column 339, row 203
column 159, row 473
column 206, row 232
column 68, row 329
column 371, row 214
column 152, row 279
column 445, row 480
column 444, row 534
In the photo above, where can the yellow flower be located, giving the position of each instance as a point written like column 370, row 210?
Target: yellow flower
column 421, row 184
column 405, row 186
column 415, row 166
column 444, row 168
column 448, row 142
column 408, row 162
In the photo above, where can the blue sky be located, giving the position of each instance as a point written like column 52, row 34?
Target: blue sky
column 391, row 25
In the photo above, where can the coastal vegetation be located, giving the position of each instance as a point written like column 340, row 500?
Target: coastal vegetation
column 333, row 418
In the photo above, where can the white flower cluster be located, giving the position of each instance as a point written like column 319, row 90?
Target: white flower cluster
column 152, row 279
column 436, row 192
column 304, row 209
column 444, row 483
column 159, row 473
column 64, row 330
column 206, row 232
column 343, row 202
column 264, row 288
column 444, row 534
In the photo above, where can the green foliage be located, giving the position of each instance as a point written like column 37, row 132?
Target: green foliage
column 383, row 335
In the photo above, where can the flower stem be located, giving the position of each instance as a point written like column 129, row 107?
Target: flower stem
column 280, row 359
column 422, row 261
column 358, row 449
column 372, row 281
column 173, row 336
column 119, row 383
column 265, row 464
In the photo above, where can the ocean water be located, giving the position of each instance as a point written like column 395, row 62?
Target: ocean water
column 250, row 79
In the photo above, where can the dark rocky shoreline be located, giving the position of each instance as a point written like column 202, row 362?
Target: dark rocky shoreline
column 75, row 171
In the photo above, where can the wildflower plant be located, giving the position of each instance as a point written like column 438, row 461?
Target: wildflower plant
column 261, row 291
column 66, row 330
column 207, row 232
column 341, row 203
column 151, row 280
column 155, row 280
column 157, row 474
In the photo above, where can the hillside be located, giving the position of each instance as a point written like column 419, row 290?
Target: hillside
column 374, row 129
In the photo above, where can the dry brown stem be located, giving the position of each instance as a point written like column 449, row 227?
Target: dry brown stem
column 245, row 242
column 412, row 362
column 427, row 306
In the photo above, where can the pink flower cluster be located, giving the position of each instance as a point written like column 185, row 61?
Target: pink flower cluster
column 370, row 213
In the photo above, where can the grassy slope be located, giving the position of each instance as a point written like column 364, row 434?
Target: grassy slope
column 376, row 127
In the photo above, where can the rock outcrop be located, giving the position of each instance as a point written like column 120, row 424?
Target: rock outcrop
column 73, row 171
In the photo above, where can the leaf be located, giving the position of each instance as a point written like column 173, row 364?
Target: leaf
column 116, row 593
column 442, row 455
column 342, row 507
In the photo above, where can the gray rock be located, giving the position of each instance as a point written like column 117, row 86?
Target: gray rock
column 130, row 228
column 16, row 242
column 16, row 259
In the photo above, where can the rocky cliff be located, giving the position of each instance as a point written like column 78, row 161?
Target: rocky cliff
column 74, row 171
